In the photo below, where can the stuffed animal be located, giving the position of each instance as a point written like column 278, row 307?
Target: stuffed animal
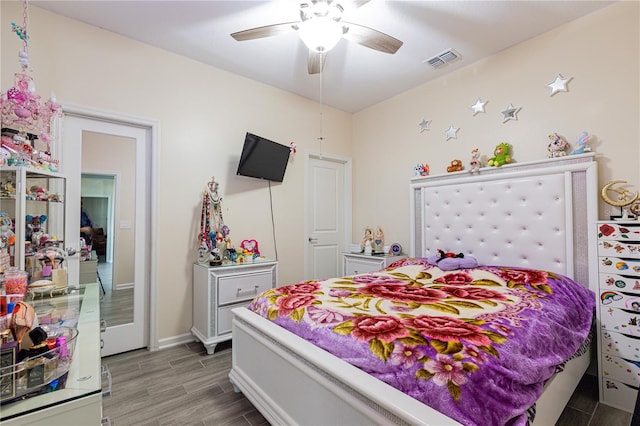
column 581, row 144
column 501, row 155
column 557, row 147
column 421, row 170
column 448, row 261
column 455, row 166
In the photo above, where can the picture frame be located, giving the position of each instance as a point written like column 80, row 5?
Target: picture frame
column 8, row 356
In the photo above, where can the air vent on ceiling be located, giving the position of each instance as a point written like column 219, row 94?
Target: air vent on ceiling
column 443, row 58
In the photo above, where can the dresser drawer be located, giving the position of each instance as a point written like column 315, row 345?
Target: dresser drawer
column 616, row 299
column 613, row 319
column 617, row 265
column 617, row 282
column 617, row 231
column 616, row 368
column 619, row 395
column 620, row 345
column 619, row 248
column 243, row 287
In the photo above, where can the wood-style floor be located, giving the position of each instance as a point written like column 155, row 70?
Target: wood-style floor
column 185, row 386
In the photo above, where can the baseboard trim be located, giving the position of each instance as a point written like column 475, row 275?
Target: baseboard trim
column 175, row 341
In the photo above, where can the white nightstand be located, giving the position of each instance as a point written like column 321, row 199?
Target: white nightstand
column 219, row 289
column 354, row 263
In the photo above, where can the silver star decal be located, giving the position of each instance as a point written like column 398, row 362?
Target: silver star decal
column 559, row 85
column 424, row 125
column 451, row 132
column 478, row 106
column 510, row 113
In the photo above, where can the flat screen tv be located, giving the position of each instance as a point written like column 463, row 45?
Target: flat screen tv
column 263, row 159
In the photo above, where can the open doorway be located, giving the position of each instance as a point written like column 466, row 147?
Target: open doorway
column 97, row 201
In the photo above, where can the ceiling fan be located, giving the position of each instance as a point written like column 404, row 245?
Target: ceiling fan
column 321, row 27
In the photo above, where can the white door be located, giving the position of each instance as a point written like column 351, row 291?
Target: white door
column 132, row 333
column 328, row 214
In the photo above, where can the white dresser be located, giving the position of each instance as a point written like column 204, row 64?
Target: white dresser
column 354, row 263
column 80, row 401
column 619, row 312
column 219, row 289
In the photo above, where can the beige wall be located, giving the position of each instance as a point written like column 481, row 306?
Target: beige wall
column 600, row 52
column 204, row 114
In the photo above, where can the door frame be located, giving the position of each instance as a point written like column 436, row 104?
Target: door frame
column 347, row 202
column 153, row 126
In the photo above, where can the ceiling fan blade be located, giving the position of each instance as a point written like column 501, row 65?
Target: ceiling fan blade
column 266, row 31
column 373, row 39
column 315, row 63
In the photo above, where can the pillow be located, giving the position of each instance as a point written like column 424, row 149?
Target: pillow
column 448, row 261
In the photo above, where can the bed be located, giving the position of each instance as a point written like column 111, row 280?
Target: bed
column 522, row 216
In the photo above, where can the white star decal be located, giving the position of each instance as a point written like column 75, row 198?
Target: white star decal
column 559, row 85
column 424, row 125
column 510, row 113
column 451, row 132
column 478, row 106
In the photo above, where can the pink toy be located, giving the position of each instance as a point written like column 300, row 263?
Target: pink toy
column 557, row 147
column 475, row 161
column 250, row 248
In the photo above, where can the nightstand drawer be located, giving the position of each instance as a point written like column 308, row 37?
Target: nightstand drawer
column 619, row 249
column 617, row 265
column 225, row 317
column 616, row 299
column 619, row 395
column 620, row 345
column 620, row 321
column 239, row 288
column 617, row 282
column 616, row 368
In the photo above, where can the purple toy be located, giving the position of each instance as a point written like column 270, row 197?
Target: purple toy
column 448, row 261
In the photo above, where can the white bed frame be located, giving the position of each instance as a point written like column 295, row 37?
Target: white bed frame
column 537, row 214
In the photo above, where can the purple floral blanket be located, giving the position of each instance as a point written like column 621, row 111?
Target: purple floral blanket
column 475, row 344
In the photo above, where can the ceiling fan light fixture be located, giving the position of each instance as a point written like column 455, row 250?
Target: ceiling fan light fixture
column 320, row 34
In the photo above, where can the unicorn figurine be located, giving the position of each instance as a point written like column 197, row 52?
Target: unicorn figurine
column 581, row 144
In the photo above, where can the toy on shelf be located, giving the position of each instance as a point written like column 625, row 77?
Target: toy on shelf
column 581, row 144
column 455, row 166
column 248, row 250
column 474, row 164
column 367, row 241
column 501, row 154
column 421, row 169
column 557, row 147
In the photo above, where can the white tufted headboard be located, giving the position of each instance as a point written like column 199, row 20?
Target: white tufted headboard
column 537, row 215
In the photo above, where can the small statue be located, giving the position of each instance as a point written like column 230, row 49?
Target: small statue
column 557, row 147
column 368, row 239
column 474, row 164
column 378, row 241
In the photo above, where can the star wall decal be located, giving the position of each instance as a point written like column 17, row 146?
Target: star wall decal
column 478, row 106
column 424, row 125
column 510, row 113
column 559, row 85
column 451, row 132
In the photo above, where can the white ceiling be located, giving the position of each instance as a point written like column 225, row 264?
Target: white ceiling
column 354, row 76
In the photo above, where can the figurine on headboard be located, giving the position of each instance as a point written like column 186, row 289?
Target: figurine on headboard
column 557, row 147
column 421, row 169
column 501, row 155
column 581, row 144
column 474, row 164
